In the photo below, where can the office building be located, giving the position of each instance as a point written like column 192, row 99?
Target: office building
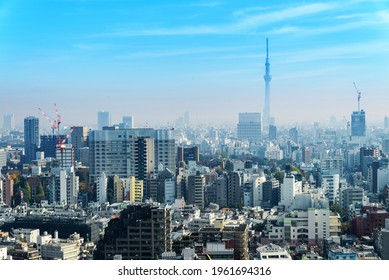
column 118, row 152
column 358, row 123
column 143, row 232
column 128, row 122
column 250, row 127
column 103, row 119
column 65, row 155
column 272, row 132
column 9, row 122
column 79, row 140
column 31, row 138
column 49, row 144
column 293, row 135
column 187, row 154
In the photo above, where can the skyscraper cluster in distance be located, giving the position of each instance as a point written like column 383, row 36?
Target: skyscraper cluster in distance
column 255, row 190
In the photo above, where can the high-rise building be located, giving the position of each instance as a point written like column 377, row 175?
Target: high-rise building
column 142, row 161
column 103, row 119
column 234, row 197
column 267, row 77
column 9, row 122
column 250, row 127
column 136, row 190
column 31, row 138
column 65, row 155
column 142, row 232
column 128, row 122
column 186, row 118
column 293, row 134
column 120, row 151
column 8, row 190
column 331, row 186
column 272, row 132
column 49, row 144
column 358, row 123
column 289, row 189
column 101, row 188
column 187, row 154
column 386, row 124
column 196, row 190
column 63, row 188
column 3, row 158
column 79, row 139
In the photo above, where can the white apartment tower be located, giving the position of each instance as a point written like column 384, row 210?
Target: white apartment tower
column 331, row 186
column 289, row 188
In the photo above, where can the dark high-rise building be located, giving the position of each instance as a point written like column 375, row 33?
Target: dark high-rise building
column 143, row 153
column 271, row 193
column 187, row 154
column 31, row 138
column 143, row 232
column 196, row 190
column 49, row 143
column 358, row 123
column 234, row 197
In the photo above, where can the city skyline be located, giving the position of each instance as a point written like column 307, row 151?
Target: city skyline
column 207, row 58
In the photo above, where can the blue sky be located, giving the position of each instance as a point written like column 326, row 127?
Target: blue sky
column 157, row 59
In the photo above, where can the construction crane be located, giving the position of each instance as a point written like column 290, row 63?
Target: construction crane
column 61, row 143
column 359, row 96
column 53, row 124
column 58, row 116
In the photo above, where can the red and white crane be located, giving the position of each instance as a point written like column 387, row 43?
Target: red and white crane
column 58, row 117
column 53, row 124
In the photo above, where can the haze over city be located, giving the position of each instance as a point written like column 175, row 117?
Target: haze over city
column 156, row 60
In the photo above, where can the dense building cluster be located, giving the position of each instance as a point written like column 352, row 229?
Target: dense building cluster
column 244, row 192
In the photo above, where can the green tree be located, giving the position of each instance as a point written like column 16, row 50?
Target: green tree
column 337, row 209
column 40, row 194
column 27, row 192
column 279, row 175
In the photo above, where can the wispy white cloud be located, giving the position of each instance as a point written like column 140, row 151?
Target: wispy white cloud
column 346, row 51
column 262, row 19
column 245, row 23
column 179, row 52
column 378, row 18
